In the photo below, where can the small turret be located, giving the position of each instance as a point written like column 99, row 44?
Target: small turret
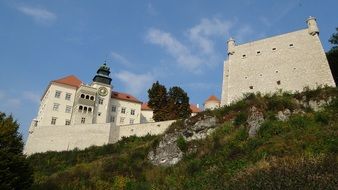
column 231, row 46
column 312, row 26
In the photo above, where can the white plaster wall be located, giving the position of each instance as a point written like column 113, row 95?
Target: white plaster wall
column 210, row 105
column 295, row 67
column 147, row 116
column 60, row 138
column 140, row 130
column 226, row 76
column 46, row 111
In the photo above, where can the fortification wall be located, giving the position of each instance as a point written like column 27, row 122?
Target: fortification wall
column 60, row 138
column 290, row 62
column 140, row 130
column 69, row 137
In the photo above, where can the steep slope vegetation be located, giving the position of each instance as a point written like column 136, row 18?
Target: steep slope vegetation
column 294, row 148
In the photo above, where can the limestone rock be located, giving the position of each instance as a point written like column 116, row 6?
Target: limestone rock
column 200, row 130
column 167, row 152
column 255, row 120
column 283, row 115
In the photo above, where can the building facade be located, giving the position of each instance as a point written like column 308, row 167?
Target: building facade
column 68, row 101
column 289, row 61
column 212, row 103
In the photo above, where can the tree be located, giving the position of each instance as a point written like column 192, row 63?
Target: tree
column 15, row 172
column 178, row 102
column 332, row 56
column 168, row 105
column 158, row 101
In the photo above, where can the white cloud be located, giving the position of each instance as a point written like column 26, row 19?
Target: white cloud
column 175, row 48
column 201, row 34
column 38, row 14
column 120, row 59
column 135, row 83
column 31, row 96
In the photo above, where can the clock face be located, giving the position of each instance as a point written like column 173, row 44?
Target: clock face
column 103, row 91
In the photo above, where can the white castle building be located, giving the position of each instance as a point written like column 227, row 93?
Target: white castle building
column 75, row 115
column 289, row 61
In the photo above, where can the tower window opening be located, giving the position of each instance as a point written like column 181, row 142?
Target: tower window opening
column 92, row 98
column 290, row 45
column 278, row 82
column 274, row 49
column 82, row 96
column 251, row 87
column 89, row 109
column 87, row 97
column 258, row 52
column 276, row 71
column 243, row 56
column 80, row 107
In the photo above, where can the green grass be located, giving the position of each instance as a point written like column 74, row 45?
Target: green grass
column 300, row 153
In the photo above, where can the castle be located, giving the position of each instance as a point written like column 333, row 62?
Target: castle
column 289, row 61
column 76, row 115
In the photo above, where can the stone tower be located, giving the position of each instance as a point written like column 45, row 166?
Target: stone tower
column 288, row 61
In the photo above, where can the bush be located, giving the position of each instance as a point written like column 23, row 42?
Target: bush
column 182, row 143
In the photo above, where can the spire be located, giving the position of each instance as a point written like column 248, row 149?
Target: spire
column 102, row 74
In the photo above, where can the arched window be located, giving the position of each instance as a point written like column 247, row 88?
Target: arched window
column 82, row 96
column 87, row 97
column 92, row 98
column 85, row 108
column 89, row 109
column 80, row 108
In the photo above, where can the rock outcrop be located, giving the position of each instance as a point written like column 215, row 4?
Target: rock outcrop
column 255, row 120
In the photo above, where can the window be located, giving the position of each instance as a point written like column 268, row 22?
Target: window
column 67, row 122
column 53, row 122
column 85, row 109
column 121, row 120
column 290, row 45
column 89, row 109
column 82, row 96
column 87, row 97
column 57, row 94
column 258, row 52
column 112, row 119
column 56, row 107
column 278, row 82
column 243, row 56
column 83, row 120
column 100, row 101
column 99, row 113
column 123, row 110
column 68, row 109
column 131, row 121
column 92, row 98
column 113, row 108
column 132, row 112
column 251, row 87
column 68, row 95
column 274, row 49
column 80, row 108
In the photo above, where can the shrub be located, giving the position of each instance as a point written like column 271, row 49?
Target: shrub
column 240, row 119
column 182, row 143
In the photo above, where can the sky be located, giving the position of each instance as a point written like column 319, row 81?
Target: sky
column 178, row 43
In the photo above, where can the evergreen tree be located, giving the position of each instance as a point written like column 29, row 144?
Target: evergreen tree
column 178, row 102
column 332, row 56
column 15, row 172
column 158, row 101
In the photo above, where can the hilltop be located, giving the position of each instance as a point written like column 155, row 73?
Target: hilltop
column 275, row 141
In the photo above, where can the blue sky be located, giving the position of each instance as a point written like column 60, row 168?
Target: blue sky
column 176, row 42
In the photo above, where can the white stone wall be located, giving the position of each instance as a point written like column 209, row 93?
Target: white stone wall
column 59, row 138
column 210, row 105
column 290, row 62
column 147, row 116
column 140, row 130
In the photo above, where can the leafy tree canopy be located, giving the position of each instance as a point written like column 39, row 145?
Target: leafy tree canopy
column 15, row 172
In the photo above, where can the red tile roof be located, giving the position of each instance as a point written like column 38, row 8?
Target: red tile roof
column 194, row 108
column 145, row 106
column 212, row 98
column 124, row 96
column 70, row 80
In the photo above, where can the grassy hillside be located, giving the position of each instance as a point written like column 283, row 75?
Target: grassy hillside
column 300, row 153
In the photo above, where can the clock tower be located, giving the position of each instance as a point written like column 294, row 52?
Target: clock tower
column 102, row 83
